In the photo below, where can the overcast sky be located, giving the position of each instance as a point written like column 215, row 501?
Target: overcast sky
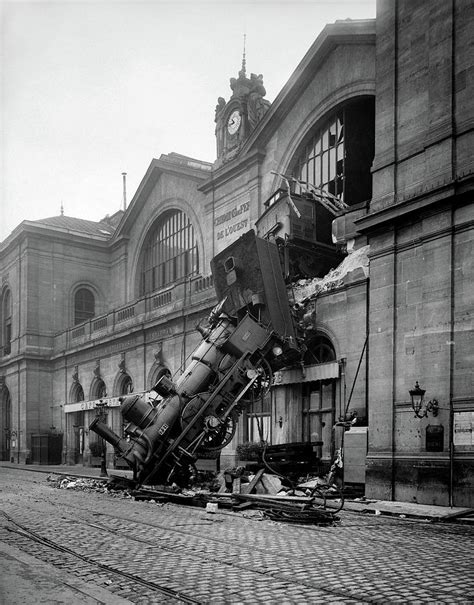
column 91, row 89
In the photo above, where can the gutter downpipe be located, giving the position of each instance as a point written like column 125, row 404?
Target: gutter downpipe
column 394, row 365
column 452, row 309
column 395, row 188
column 451, row 372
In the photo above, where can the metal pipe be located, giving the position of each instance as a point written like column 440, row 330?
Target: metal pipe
column 124, row 176
column 452, row 284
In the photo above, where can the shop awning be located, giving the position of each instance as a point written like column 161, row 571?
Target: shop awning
column 320, row 371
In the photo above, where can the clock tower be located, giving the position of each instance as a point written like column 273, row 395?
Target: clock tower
column 238, row 117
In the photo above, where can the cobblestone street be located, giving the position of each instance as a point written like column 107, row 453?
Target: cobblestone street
column 107, row 549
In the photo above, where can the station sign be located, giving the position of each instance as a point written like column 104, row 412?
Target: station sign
column 81, row 406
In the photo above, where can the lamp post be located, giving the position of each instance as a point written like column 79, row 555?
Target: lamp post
column 417, row 395
column 101, row 406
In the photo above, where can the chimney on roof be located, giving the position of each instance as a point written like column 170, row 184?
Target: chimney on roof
column 124, row 176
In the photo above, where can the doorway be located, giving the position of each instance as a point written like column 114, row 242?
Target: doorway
column 319, row 408
column 5, row 423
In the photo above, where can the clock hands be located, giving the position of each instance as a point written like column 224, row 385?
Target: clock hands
column 233, row 123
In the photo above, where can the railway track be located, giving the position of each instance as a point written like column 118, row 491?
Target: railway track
column 148, row 553
column 24, row 538
column 128, row 584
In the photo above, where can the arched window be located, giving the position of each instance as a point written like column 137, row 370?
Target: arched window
column 6, row 322
column 125, row 385
column 84, row 305
column 320, row 350
column 77, row 393
column 158, row 372
column 337, row 156
column 99, row 390
column 170, row 252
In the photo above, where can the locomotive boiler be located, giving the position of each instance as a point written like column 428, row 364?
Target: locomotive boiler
column 248, row 334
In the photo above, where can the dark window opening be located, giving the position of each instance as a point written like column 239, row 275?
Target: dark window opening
column 84, row 305
column 77, row 394
column 7, row 347
column 5, row 424
column 319, row 350
column 337, row 158
column 99, row 390
column 7, row 322
column 126, row 385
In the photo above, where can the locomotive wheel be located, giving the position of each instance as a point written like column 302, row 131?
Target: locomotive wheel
column 220, row 436
column 217, row 432
column 262, row 384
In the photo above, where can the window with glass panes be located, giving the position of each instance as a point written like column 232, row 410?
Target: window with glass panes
column 126, row 385
column 171, row 253
column 319, row 399
column 337, row 156
column 321, row 163
column 259, row 419
column 84, row 305
column 99, row 390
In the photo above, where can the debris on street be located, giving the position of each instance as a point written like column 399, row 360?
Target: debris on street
column 234, row 489
column 84, row 484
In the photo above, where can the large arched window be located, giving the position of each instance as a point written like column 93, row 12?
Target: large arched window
column 6, row 310
column 84, row 305
column 170, row 252
column 337, row 156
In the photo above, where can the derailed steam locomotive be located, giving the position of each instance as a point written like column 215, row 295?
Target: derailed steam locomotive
column 249, row 334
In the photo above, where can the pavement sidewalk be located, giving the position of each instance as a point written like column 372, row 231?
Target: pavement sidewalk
column 360, row 505
column 26, row 579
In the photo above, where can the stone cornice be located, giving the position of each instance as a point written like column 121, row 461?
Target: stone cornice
column 232, row 169
column 412, row 204
column 28, row 229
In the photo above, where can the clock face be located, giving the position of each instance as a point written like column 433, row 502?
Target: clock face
column 233, row 123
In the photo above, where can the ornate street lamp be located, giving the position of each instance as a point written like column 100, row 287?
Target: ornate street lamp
column 417, row 398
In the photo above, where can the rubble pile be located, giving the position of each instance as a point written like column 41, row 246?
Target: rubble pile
column 235, row 489
column 308, row 289
column 266, row 494
column 86, row 485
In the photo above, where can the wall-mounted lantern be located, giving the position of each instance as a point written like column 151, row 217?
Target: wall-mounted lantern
column 417, row 399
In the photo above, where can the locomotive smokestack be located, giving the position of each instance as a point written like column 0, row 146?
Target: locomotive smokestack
column 124, row 176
